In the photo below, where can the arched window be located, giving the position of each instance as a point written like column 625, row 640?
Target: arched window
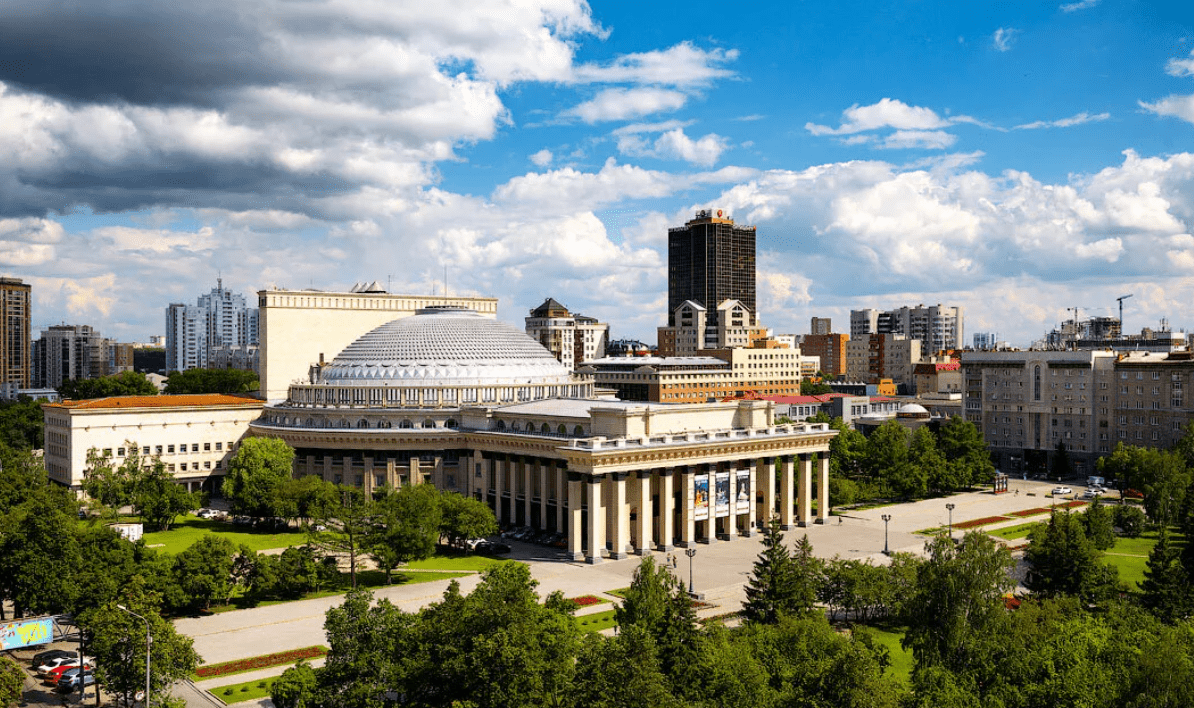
column 345, row 424
column 545, row 429
column 405, row 424
column 578, row 431
column 429, row 423
column 362, row 423
column 562, row 430
column 501, row 425
column 450, row 423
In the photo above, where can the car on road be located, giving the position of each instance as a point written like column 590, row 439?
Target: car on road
column 1059, row 491
column 1092, row 493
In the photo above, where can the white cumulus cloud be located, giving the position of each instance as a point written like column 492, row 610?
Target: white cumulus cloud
column 542, row 158
column 676, row 145
column 626, row 103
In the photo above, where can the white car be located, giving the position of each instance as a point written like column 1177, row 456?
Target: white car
column 1093, row 492
column 1061, row 491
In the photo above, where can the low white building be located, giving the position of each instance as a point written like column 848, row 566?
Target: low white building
column 194, row 435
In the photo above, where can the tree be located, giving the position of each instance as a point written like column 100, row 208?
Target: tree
column 771, row 590
column 22, row 424
column 117, row 641
column 295, row 688
column 127, row 383
column 406, row 526
column 959, row 596
column 12, row 681
column 256, row 476
column 1063, row 561
column 1164, row 589
column 1131, row 521
column 112, row 486
column 203, row 572
column 1099, row 525
column 657, row 603
column 927, row 459
column 344, row 527
column 227, row 381
column 1160, row 475
column 39, row 555
column 814, row 388
column 107, row 563
column 619, row 672
column 158, row 499
column 962, row 446
column 301, row 496
column 464, row 518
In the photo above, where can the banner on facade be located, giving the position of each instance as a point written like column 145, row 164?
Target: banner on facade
column 742, row 496
column 26, row 633
column 722, row 493
column 700, row 506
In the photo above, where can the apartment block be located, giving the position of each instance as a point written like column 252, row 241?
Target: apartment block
column 938, row 327
column 571, row 338
column 16, row 360
column 831, row 348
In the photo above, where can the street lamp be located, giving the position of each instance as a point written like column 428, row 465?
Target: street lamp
column 690, row 552
column 951, row 520
column 148, row 640
column 886, row 518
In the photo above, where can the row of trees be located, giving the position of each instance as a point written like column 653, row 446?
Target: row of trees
column 135, row 383
column 893, row 463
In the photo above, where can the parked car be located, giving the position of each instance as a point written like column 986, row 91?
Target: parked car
column 1092, row 493
column 70, row 684
column 62, row 672
column 492, row 547
column 1060, row 491
column 51, row 664
column 56, row 671
column 44, row 656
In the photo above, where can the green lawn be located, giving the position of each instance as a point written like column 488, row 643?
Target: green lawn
column 1012, row 533
column 247, row 691
column 620, row 592
column 190, row 529
column 1130, row 555
column 370, row 579
column 901, row 659
column 596, row 621
column 1131, row 568
column 456, row 562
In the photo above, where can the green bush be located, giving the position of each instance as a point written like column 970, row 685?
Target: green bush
column 1130, row 520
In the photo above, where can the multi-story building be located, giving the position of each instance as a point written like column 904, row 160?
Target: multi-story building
column 831, row 348
column 220, row 319
column 820, row 325
column 67, row 352
column 1150, row 403
column 16, row 306
column 711, row 260
column 873, row 357
column 937, row 375
column 938, row 327
column 693, row 334
column 571, row 338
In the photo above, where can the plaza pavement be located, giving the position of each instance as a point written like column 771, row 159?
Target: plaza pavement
column 719, row 571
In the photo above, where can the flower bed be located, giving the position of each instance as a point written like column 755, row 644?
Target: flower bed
column 1072, row 504
column 980, row 522
column 259, row 662
column 1031, row 512
column 586, row 600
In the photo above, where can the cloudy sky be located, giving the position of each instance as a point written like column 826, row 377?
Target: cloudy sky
column 1017, row 159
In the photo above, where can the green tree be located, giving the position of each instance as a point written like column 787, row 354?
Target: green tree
column 158, row 499
column 117, row 641
column 962, row 446
column 203, row 572
column 1130, row 520
column 227, row 381
column 344, row 528
column 1063, row 561
column 927, row 459
column 958, row 598
column 406, row 526
column 772, row 588
column 127, row 383
column 657, row 603
column 814, row 388
column 1099, row 524
column 619, row 672
column 107, row 563
column 12, row 681
column 303, row 495
column 39, row 555
column 1164, row 590
column 257, row 475
column 1160, row 475
column 21, row 424
column 111, row 486
column 464, row 518
column 295, row 688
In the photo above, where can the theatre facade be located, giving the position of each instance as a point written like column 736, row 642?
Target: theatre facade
column 474, row 405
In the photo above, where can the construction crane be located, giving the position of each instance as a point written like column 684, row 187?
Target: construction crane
column 1121, row 313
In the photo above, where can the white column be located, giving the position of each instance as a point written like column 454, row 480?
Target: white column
column 543, row 486
column 562, row 500
column 596, row 520
column 756, row 477
column 667, row 510
column 786, row 498
column 732, row 519
column 766, row 489
column 643, row 525
column 687, row 502
column 527, row 512
column 575, row 518
column 499, row 469
column 823, row 488
column 804, row 510
column 620, row 533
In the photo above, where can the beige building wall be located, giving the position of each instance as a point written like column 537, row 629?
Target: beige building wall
column 299, row 326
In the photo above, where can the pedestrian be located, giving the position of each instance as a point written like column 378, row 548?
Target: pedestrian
column 840, row 521
column 674, row 561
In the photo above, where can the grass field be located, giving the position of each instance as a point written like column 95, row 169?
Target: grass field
column 455, row 562
column 190, row 529
column 596, row 621
column 901, row 659
column 247, row 691
column 1130, row 555
column 1012, row 533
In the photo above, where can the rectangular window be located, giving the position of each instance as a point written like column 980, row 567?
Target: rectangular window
column 183, row 466
column 158, row 449
column 219, row 446
column 195, row 447
column 170, row 449
column 145, row 450
column 207, row 465
column 207, row 447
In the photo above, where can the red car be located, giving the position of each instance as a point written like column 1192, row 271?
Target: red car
column 51, row 677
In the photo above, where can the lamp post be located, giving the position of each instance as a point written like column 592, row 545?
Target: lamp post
column 690, row 552
column 886, row 518
column 148, row 640
column 950, row 507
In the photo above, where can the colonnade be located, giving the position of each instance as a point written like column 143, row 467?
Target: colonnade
column 611, row 514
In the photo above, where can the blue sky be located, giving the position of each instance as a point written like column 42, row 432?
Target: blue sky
column 1015, row 158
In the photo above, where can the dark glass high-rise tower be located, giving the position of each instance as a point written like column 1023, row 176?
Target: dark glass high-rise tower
column 710, row 260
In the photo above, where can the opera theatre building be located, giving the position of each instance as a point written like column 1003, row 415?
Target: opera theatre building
column 474, row 405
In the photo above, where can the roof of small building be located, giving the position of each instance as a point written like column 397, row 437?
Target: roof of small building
column 174, row 401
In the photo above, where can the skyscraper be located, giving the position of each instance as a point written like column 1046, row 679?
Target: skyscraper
column 15, row 337
column 219, row 325
column 67, row 352
column 711, row 260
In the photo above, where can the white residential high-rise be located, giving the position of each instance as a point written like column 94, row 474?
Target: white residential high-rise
column 938, row 327
column 220, row 322
column 67, row 352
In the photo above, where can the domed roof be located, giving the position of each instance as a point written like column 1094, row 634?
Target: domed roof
column 912, row 410
column 444, row 346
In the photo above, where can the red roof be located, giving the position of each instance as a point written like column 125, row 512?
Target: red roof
column 181, row 401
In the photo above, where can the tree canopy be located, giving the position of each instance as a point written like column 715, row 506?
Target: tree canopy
column 256, row 476
column 127, row 383
column 229, row 381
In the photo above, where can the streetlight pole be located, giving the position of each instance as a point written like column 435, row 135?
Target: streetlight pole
column 950, row 507
column 690, row 552
column 886, row 518
column 148, row 640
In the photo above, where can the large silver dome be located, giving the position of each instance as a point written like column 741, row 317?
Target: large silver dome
column 444, row 346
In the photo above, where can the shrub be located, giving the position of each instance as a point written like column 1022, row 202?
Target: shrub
column 1130, row 520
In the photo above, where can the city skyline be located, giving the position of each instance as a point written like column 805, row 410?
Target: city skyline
column 1015, row 161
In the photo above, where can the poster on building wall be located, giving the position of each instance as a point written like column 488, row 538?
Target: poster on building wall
column 722, row 493
column 701, row 497
column 742, row 495
column 26, row 633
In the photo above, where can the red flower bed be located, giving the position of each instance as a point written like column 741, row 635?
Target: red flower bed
column 1031, row 512
column 980, row 522
column 586, row 600
column 259, row 662
column 1072, row 504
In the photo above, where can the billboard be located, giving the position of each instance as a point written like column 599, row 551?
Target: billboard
column 722, row 494
column 742, row 494
column 700, row 506
column 26, row 633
